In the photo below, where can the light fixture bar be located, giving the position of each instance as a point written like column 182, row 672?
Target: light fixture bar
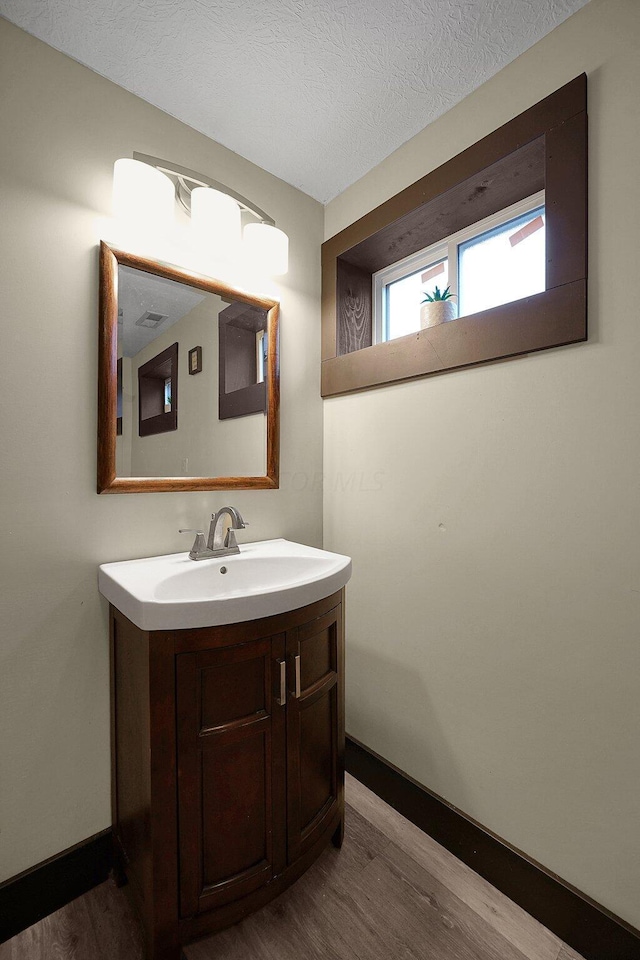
column 186, row 180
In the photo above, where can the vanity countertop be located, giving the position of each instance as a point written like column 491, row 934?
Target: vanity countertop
column 266, row 578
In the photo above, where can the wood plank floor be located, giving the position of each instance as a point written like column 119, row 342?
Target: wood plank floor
column 391, row 892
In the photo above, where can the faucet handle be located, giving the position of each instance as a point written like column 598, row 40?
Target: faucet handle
column 199, row 544
column 230, row 541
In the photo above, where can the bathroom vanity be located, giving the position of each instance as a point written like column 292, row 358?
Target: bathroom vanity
column 227, row 740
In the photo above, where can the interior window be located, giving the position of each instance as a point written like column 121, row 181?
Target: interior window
column 495, row 261
column 403, row 298
column 502, row 264
column 261, row 355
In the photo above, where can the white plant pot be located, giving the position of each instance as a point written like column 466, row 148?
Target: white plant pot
column 431, row 314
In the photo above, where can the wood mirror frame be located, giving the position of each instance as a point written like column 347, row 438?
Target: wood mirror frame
column 108, row 482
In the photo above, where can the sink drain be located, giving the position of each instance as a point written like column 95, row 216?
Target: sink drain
column 223, row 569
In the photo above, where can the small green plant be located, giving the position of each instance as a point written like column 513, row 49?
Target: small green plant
column 438, row 295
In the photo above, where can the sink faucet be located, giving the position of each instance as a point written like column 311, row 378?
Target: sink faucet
column 217, row 545
column 215, row 542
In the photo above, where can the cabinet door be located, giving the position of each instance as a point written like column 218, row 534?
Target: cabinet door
column 314, row 756
column 231, row 771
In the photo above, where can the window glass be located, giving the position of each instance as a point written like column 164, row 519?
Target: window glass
column 503, row 264
column 261, row 355
column 404, row 298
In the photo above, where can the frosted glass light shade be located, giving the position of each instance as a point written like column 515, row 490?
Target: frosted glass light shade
column 267, row 249
column 215, row 219
column 142, row 195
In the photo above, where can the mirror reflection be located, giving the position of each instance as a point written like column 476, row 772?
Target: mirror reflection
column 191, row 396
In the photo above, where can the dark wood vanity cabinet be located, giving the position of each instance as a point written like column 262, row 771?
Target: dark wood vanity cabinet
column 228, row 764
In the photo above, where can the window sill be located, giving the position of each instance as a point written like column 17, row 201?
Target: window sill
column 550, row 319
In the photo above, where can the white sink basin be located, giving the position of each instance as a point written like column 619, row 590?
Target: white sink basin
column 174, row 592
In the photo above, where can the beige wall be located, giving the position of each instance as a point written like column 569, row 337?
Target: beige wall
column 493, row 516
column 125, row 441
column 61, row 128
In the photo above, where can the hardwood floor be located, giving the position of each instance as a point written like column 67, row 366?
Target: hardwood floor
column 390, row 892
column 96, row 926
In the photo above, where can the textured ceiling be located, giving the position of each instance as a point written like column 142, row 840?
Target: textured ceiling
column 315, row 91
column 139, row 292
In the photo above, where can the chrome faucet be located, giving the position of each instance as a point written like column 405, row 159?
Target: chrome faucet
column 217, row 544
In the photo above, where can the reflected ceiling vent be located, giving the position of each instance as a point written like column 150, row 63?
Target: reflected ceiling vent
column 150, row 319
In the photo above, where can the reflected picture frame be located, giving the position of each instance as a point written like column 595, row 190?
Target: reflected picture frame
column 195, row 360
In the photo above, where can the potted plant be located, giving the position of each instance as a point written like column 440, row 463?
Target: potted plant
column 437, row 307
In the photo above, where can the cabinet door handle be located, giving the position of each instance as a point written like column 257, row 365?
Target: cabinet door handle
column 297, row 667
column 282, row 699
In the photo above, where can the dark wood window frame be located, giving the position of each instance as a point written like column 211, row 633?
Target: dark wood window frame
column 119, row 399
column 243, row 318
column 543, row 148
column 152, row 376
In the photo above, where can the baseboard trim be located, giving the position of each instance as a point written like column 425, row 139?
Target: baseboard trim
column 587, row 927
column 50, row 885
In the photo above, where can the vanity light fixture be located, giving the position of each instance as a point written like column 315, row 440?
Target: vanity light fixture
column 142, row 195
column 216, row 220
column 145, row 186
column 268, row 247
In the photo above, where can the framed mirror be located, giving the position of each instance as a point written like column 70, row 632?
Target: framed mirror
column 188, row 381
